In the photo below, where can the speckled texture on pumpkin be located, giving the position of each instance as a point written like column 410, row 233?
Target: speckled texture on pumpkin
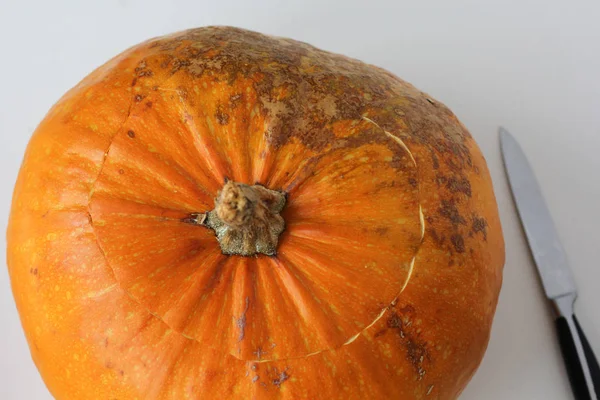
column 385, row 280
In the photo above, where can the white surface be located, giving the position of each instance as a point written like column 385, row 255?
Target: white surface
column 533, row 66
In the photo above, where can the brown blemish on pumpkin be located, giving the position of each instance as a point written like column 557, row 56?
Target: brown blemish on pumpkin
column 188, row 117
column 280, row 377
column 141, row 66
column 449, row 211
column 240, row 322
column 380, row 333
column 149, row 104
column 234, row 100
column 407, row 309
column 461, row 185
column 259, row 353
column 142, row 71
column 434, row 128
column 382, row 230
column 313, row 97
column 145, row 73
column 479, row 225
column 417, row 354
column 178, row 64
column 121, row 171
column 138, row 98
column 439, row 240
column 182, row 92
column 458, row 242
column 131, row 134
column 394, row 321
column 435, row 161
column 221, row 116
column 338, row 88
column 440, row 180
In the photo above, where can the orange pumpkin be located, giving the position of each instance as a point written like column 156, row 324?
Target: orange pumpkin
column 219, row 214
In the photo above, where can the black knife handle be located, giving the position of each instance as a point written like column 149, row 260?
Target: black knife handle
column 566, row 336
column 592, row 361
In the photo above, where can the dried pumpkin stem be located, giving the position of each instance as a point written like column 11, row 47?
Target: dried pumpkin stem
column 246, row 219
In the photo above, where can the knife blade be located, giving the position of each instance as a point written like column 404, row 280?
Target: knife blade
column 546, row 248
column 551, row 262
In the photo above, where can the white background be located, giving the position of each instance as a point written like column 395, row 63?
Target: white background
column 532, row 66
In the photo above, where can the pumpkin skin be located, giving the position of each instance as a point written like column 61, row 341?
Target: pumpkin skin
column 386, row 277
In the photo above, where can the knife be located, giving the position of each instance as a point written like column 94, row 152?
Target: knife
column 551, row 261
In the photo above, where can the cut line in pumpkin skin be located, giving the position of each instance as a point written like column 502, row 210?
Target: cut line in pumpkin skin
column 92, row 189
column 102, row 292
column 113, row 137
column 410, row 272
column 411, row 266
column 395, row 138
column 422, row 221
column 302, row 355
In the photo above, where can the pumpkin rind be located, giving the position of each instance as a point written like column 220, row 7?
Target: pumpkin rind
column 385, row 281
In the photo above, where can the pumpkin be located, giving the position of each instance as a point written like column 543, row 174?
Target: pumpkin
column 221, row 214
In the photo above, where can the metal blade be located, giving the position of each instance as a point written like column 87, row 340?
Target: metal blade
column 544, row 243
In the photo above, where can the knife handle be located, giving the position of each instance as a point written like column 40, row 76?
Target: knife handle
column 580, row 361
column 592, row 361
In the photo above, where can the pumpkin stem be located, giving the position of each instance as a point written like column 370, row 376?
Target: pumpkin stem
column 246, row 219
